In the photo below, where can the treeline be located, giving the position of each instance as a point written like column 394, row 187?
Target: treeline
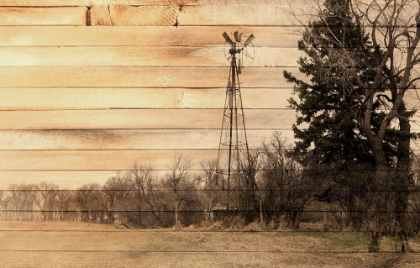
column 271, row 189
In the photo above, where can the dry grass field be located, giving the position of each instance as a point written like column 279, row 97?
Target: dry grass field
column 63, row 244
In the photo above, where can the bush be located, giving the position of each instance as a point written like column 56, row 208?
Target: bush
column 253, row 227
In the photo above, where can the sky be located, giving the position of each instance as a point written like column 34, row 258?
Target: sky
column 81, row 103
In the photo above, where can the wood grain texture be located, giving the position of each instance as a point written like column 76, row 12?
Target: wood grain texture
column 66, row 179
column 61, row 3
column 139, row 119
column 206, row 14
column 194, row 36
column 143, row 56
column 83, row 102
column 99, row 15
column 104, row 160
column 123, row 15
column 102, row 98
column 123, row 139
column 137, row 2
column 123, row 76
column 42, row 16
column 261, row 15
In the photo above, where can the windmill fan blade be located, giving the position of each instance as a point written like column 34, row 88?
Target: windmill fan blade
column 249, row 40
column 244, row 52
column 237, row 36
column 227, row 38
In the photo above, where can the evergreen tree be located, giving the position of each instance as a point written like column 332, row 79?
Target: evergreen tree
column 328, row 104
column 356, row 90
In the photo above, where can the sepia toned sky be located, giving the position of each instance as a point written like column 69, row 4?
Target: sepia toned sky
column 141, row 84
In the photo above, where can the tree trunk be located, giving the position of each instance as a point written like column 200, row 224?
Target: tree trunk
column 176, row 214
column 380, row 185
column 402, row 178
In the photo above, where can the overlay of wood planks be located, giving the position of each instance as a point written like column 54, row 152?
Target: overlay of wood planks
column 152, row 139
column 67, row 179
column 128, row 76
column 99, row 98
column 142, row 56
column 103, row 160
column 82, row 102
column 61, row 3
column 185, row 15
column 143, row 86
column 138, row 119
column 123, row 15
column 251, row 14
column 131, row 98
column 31, row 3
column 42, row 16
column 188, row 36
column 169, row 13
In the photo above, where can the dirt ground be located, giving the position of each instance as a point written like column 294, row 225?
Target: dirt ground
column 71, row 244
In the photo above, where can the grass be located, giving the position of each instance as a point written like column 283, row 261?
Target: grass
column 354, row 241
column 57, row 244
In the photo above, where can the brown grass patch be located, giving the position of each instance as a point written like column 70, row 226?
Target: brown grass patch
column 59, row 244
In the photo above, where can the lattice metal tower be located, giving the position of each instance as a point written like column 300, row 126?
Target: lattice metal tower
column 233, row 146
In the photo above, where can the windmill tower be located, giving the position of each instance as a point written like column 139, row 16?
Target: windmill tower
column 233, row 145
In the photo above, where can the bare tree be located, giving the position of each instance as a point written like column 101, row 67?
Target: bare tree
column 65, row 205
column 46, row 200
column 89, row 201
column 242, row 195
column 148, row 197
column 212, row 185
column 285, row 190
column 23, row 198
column 117, row 197
column 7, row 207
column 182, row 189
column 246, row 195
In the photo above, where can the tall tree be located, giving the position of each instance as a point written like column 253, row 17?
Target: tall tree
column 89, row 201
column 46, row 200
column 353, row 104
column 182, row 190
column 329, row 102
column 65, row 205
column 147, row 194
column 117, row 196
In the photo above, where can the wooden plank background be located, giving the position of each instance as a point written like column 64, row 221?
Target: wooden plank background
column 94, row 86
column 43, row 16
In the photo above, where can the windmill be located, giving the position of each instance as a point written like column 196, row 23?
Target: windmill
column 233, row 145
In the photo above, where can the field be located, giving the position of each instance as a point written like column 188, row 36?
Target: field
column 59, row 244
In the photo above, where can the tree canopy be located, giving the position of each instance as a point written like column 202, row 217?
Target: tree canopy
column 352, row 115
column 329, row 104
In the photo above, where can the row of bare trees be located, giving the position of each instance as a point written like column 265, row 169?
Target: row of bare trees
column 272, row 188
column 266, row 189
column 43, row 201
column 136, row 196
